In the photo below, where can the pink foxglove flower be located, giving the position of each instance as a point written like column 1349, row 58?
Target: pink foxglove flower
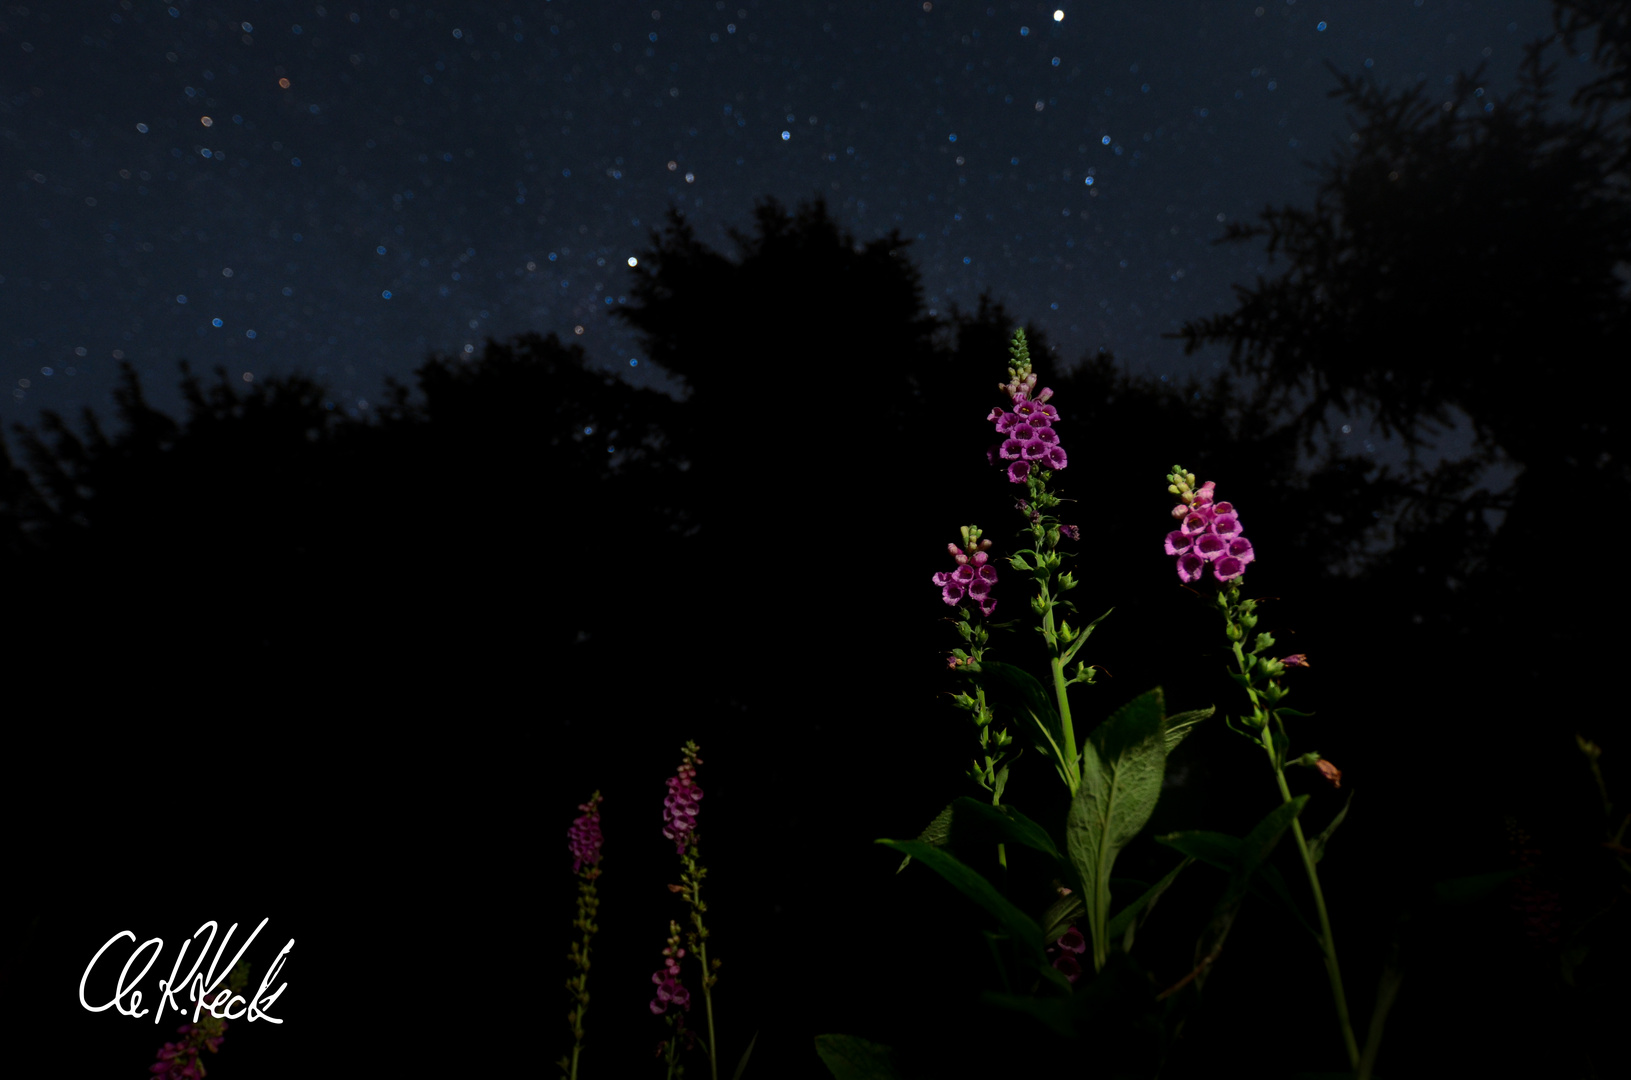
column 1029, row 440
column 680, row 806
column 973, row 579
column 670, row 991
column 1070, row 945
column 583, row 838
column 1208, row 533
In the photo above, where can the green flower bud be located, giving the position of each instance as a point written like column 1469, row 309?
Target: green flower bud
column 1067, row 582
column 1235, row 632
column 1248, row 621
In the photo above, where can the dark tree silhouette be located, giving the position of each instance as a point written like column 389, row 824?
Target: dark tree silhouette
column 1460, row 256
column 272, row 542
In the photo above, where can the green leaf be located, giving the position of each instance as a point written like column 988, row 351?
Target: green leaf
column 1218, row 849
column 1269, row 884
column 1257, row 845
column 1224, row 852
column 1294, row 712
column 1127, row 919
column 851, row 1058
column 1018, row 563
column 1081, row 636
column 1180, row 724
column 1016, row 689
column 1021, row 927
column 1057, row 919
column 936, row 833
column 1007, row 822
column 1316, row 846
column 1123, row 762
column 1058, row 1014
column 1245, row 858
column 741, row 1066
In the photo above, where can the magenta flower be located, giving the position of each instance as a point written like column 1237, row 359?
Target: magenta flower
column 1029, row 439
column 179, row 1061
column 680, row 807
column 1070, row 945
column 1208, row 534
column 973, row 578
column 583, row 838
column 670, row 991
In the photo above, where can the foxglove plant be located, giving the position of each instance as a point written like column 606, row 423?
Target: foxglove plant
column 583, row 843
column 680, row 825
column 181, row 1060
column 672, row 992
column 1112, row 777
column 1209, row 537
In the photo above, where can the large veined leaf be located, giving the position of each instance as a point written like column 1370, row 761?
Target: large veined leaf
column 850, row 1058
column 1123, row 762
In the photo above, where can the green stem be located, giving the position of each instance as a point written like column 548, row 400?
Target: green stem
column 1327, row 943
column 575, row 1047
column 708, row 1000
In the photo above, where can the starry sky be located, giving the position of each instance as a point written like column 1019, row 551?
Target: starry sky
column 339, row 190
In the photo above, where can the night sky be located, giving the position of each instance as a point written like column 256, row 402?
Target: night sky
column 339, row 192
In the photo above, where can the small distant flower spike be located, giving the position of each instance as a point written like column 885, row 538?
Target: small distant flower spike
column 680, row 807
column 679, row 816
column 583, row 838
column 180, row 1060
column 583, row 842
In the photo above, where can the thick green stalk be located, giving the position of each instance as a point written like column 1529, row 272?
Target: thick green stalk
column 1327, row 943
column 708, row 1001
column 1072, row 773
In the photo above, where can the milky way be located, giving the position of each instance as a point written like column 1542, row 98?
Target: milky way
column 338, row 191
